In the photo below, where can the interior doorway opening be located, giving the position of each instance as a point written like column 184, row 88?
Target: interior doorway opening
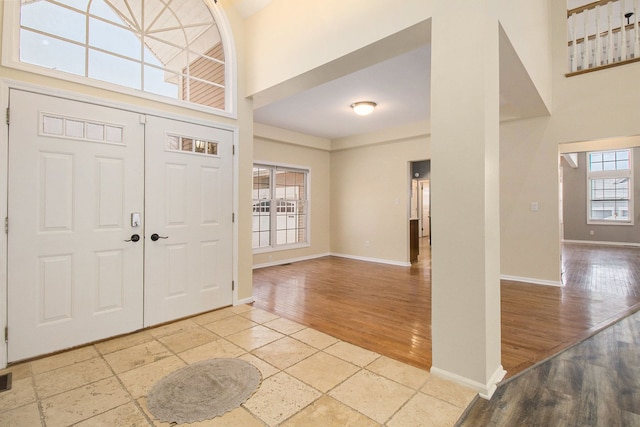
column 421, row 197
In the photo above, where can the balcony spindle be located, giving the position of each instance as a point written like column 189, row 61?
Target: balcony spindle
column 610, row 47
column 623, row 32
column 574, row 46
column 594, row 44
column 598, row 50
column 636, row 36
column 587, row 52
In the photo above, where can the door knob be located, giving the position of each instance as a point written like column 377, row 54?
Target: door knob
column 155, row 237
column 134, row 238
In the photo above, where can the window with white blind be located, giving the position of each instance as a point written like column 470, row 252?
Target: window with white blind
column 610, row 187
column 280, row 207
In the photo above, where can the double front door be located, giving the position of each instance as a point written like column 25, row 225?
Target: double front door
column 117, row 221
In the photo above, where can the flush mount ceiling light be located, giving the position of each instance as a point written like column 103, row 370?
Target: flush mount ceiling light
column 363, row 108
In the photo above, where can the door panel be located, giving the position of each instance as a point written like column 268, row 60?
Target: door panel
column 75, row 177
column 188, row 269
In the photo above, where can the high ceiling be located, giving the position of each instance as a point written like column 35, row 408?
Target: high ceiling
column 400, row 85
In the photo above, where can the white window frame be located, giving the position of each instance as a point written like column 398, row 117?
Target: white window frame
column 273, row 200
column 11, row 48
column 610, row 174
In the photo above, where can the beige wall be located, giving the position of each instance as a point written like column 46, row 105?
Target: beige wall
column 289, row 38
column 593, row 106
column 370, row 196
column 244, row 162
column 527, row 25
column 530, row 241
column 289, row 148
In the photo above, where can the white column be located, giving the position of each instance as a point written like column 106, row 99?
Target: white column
column 465, row 193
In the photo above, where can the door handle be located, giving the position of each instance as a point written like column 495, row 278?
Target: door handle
column 156, row 236
column 134, row 238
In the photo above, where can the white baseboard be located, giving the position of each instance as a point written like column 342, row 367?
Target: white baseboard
column 595, row 242
column 289, row 260
column 531, row 280
column 376, row 260
column 245, row 301
column 484, row 390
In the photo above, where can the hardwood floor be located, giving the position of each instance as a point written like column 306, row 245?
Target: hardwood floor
column 387, row 309
column 595, row 383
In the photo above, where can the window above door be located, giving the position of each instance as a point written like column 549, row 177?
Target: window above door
column 162, row 50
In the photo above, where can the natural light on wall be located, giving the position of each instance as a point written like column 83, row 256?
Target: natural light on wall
column 173, row 49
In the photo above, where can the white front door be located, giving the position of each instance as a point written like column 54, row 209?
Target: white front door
column 75, row 177
column 188, row 263
column 83, row 181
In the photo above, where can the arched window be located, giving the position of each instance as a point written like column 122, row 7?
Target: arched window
column 171, row 48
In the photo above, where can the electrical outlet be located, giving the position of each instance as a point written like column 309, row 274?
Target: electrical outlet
column 367, row 243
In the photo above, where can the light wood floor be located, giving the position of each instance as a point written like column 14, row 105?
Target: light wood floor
column 387, row 309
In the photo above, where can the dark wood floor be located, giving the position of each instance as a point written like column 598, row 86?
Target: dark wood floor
column 595, row 383
column 387, row 309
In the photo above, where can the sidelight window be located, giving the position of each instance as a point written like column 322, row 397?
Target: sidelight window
column 280, row 206
column 610, row 187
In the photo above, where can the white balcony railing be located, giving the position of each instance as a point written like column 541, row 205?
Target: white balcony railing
column 602, row 34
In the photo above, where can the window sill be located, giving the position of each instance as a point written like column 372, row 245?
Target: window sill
column 591, row 222
column 281, row 248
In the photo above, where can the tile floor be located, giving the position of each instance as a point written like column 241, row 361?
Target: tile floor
column 308, row 378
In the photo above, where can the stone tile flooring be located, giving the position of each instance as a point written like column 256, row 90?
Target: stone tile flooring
column 308, row 378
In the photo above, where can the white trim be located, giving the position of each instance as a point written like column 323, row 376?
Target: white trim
column 531, row 280
column 4, row 173
column 249, row 300
column 289, row 260
column 235, row 225
column 280, row 248
column 376, row 260
column 134, row 108
column 597, row 175
column 10, row 59
column 273, row 167
column 484, row 390
column 611, row 222
column 595, row 242
column 298, row 168
column 230, row 58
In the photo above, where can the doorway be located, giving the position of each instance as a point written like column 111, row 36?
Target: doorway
column 118, row 221
column 421, row 196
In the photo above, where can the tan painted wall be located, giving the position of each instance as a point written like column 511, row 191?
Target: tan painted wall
column 291, row 37
column 527, row 25
column 593, row 106
column 244, row 154
column 279, row 148
column 370, row 196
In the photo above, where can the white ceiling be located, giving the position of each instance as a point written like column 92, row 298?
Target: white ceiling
column 400, row 87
